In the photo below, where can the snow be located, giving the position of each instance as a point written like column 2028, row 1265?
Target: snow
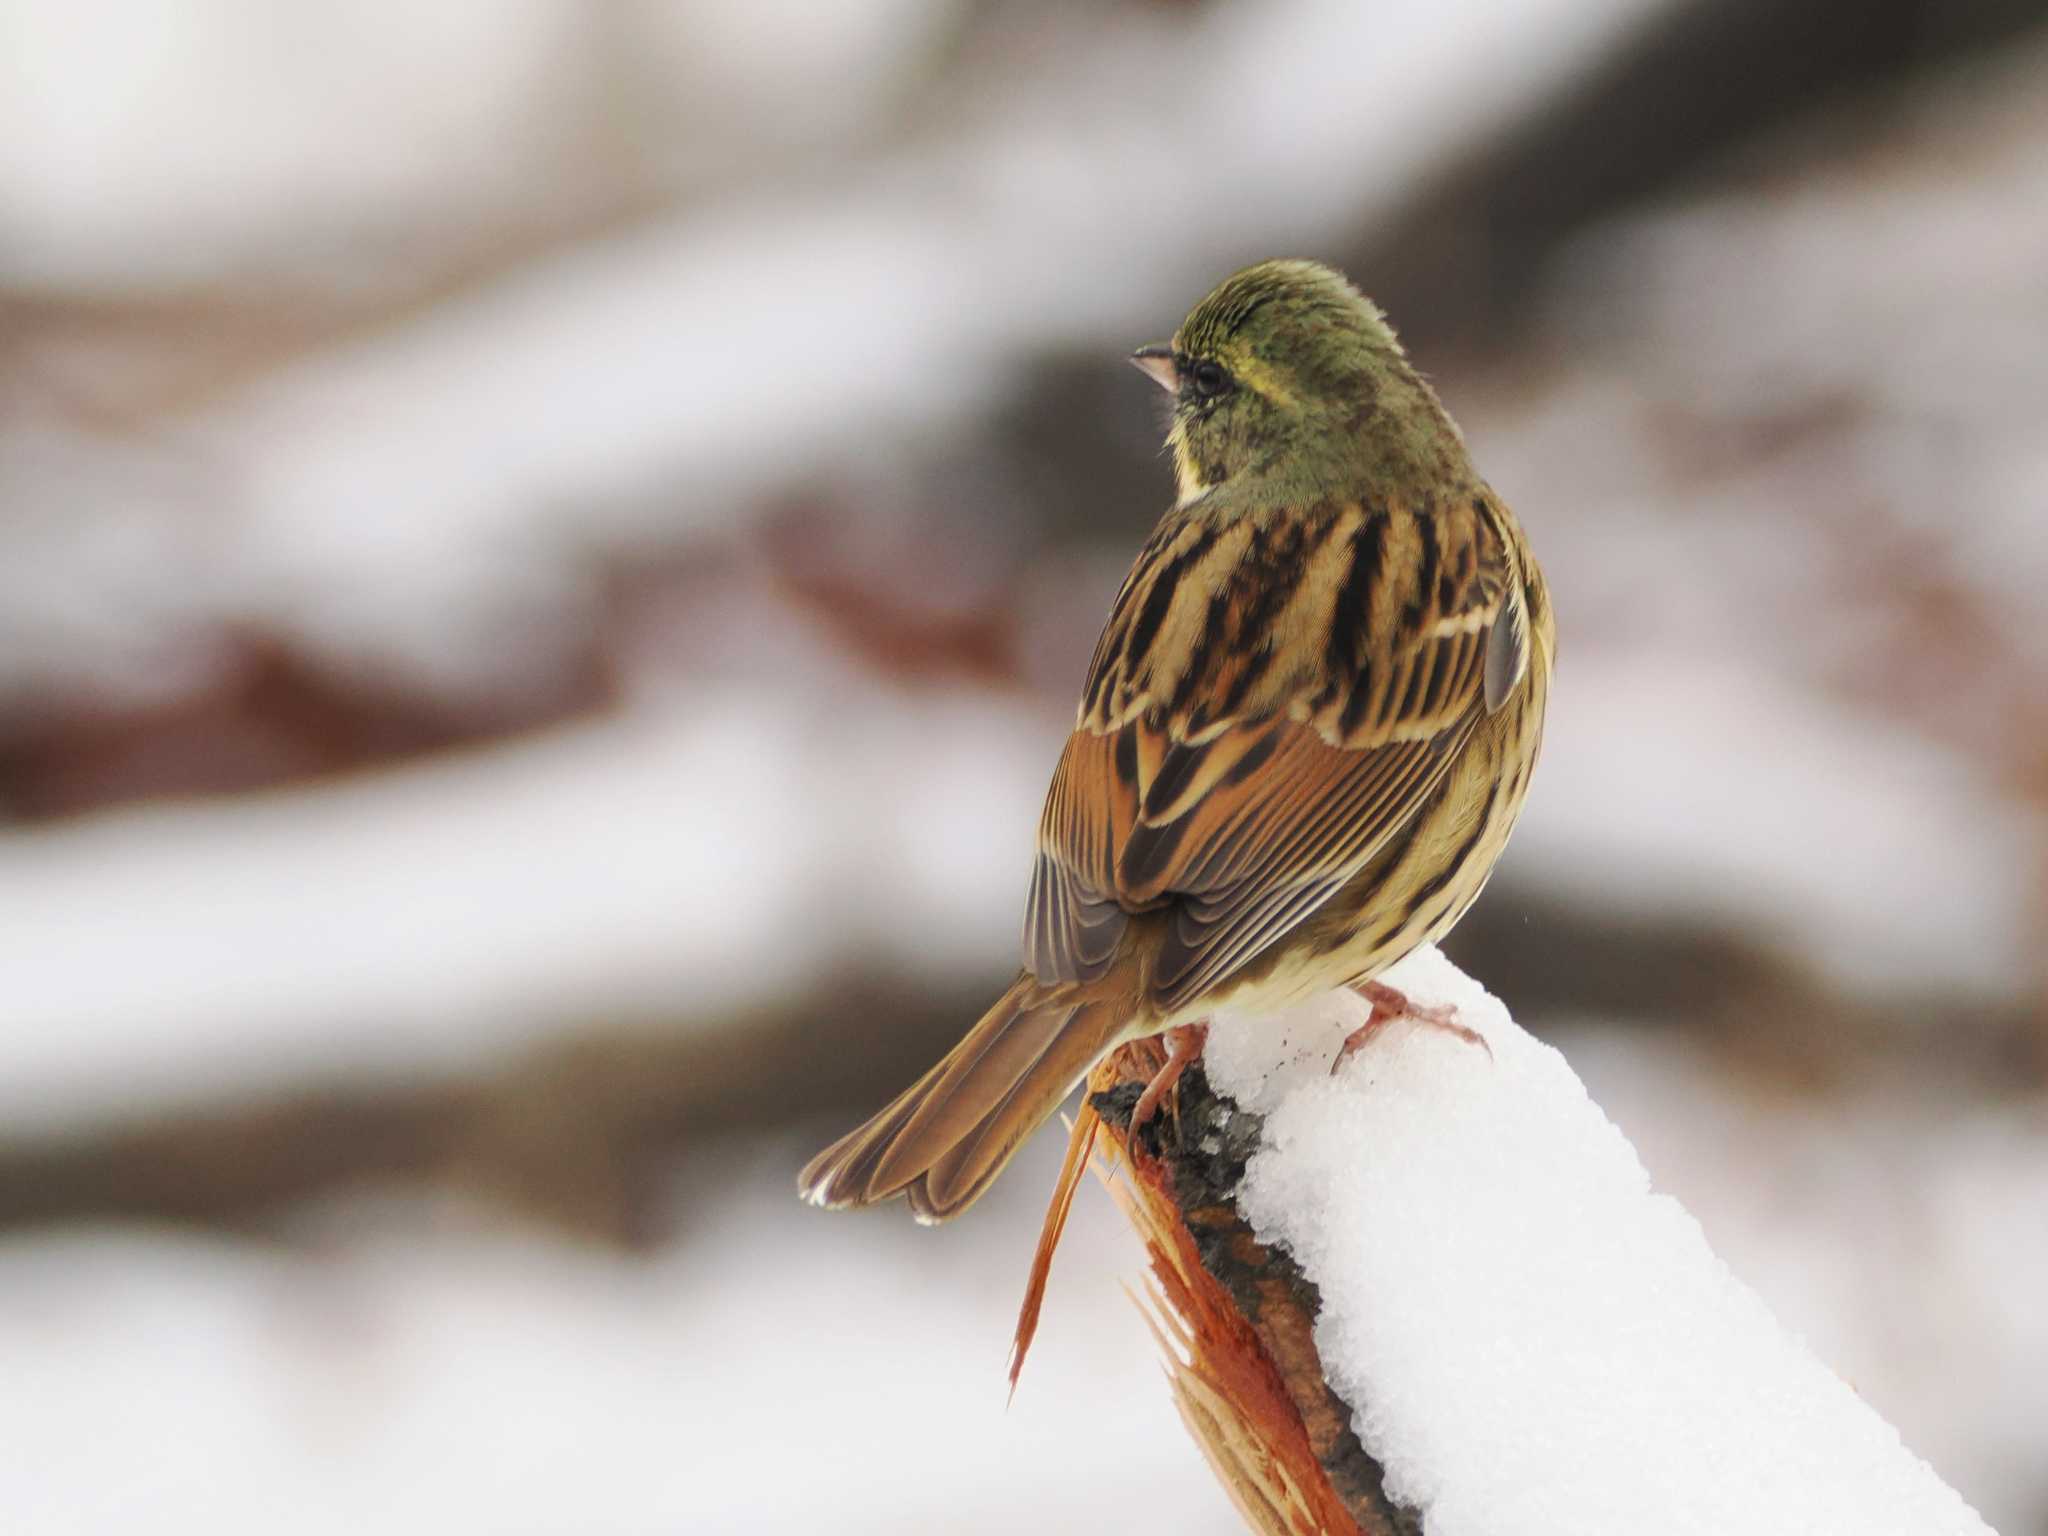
column 675, row 864
column 416, row 1367
column 1784, row 469
column 1676, row 783
column 1535, row 1341
column 712, row 848
column 408, row 1366
column 157, row 142
column 1878, row 1221
column 649, row 389
column 421, row 500
column 780, row 1371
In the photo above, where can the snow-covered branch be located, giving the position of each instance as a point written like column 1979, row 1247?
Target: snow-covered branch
column 1522, row 1334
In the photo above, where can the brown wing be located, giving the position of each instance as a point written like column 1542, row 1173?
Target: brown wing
column 1268, row 707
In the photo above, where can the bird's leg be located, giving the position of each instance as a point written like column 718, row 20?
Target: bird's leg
column 1389, row 1004
column 1183, row 1045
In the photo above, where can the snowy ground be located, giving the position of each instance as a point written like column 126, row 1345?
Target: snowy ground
column 1534, row 1340
column 780, row 1370
column 1886, row 1227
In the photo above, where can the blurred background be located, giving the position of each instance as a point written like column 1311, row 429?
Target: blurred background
column 546, row 551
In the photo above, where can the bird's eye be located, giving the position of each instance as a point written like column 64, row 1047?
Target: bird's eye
column 1208, row 379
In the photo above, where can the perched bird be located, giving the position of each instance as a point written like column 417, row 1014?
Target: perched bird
column 1305, row 735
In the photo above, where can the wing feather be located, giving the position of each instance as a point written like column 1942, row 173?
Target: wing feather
column 1244, row 824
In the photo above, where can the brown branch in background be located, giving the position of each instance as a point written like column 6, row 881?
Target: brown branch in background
column 1235, row 1319
column 583, row 1132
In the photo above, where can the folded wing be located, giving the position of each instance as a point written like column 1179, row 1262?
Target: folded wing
column 1393, row 636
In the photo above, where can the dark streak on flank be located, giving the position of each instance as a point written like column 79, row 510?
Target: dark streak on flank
column 1352, row 611
column 1454, row 586
column 1272, row 592
column 1215, row 628
column 1322, row 520
column 1425, row 577
column 1160, row 598
column 1128, row 592
column 1098, row 685
column 1250, row 669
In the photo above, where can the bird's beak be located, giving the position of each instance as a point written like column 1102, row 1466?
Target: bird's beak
column 1156, row 363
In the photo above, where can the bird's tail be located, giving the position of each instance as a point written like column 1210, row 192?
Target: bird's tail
column 946, row 1137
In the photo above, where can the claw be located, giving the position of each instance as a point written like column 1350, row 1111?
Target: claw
column 1183, row 1046
column 1389, row 1004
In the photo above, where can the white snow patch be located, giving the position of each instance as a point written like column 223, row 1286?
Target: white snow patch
column 394, row 497
column 781, row 1371
column 1877, row 1219
column 150, row 142
column 672, row 864
column 1535, row 1340
column 1675, row 785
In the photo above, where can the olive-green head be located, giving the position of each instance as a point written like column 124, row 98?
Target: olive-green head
column 1288, row 383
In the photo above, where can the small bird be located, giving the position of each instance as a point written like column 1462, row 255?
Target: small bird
column 1305, row 735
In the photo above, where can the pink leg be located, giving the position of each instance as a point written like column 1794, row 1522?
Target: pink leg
column 1183, row 1045
column 1389, row 1004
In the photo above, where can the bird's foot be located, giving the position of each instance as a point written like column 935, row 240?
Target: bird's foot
column 1184, row 1044
column 1389, row 1004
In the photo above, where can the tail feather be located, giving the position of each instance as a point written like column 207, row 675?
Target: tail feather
column 843, row 1174
column 994, row 1058
column 944, row 1140
column 956, row 1179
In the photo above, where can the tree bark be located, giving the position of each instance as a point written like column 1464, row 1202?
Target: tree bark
column 1240, row 1316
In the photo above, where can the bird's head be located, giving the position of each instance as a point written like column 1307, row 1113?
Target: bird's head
column 1288, row 384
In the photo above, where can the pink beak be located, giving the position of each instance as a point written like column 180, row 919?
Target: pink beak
column 1156, row 363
